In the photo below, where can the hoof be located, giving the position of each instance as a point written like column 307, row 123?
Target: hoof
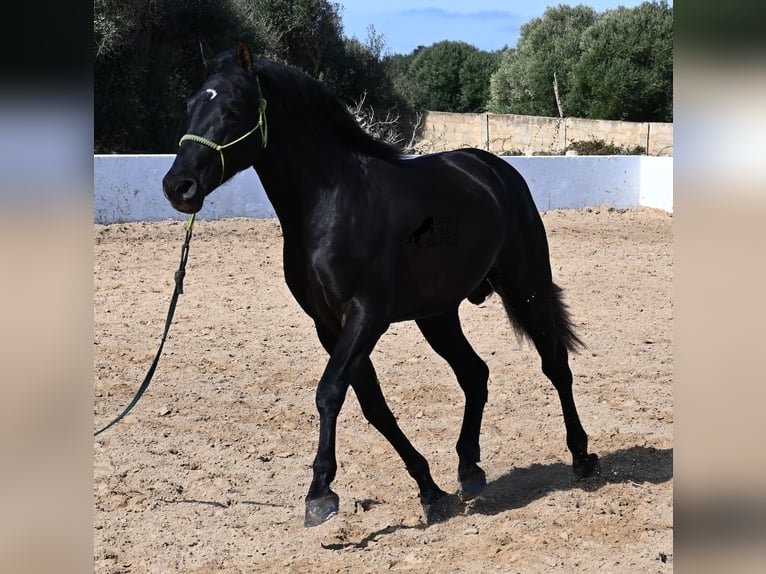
column 319, row 510
column 472, row 484
column 587, row 467
column 442, row 508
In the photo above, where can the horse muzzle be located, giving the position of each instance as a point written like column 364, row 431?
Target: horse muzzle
column 183, row 193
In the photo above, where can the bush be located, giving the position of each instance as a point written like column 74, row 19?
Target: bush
column 600, row 147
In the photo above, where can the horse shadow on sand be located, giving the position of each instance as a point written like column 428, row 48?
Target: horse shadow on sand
column 522, row 486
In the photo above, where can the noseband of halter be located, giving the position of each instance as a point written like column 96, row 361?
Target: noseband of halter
column 261, row 125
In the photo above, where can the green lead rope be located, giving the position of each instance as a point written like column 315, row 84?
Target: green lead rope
column 178, row 290
column 179, row 275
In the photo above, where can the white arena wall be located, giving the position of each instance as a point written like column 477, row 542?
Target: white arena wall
column 129, row 187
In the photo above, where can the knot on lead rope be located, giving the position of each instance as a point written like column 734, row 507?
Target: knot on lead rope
column 179, row 277
column 181, row 273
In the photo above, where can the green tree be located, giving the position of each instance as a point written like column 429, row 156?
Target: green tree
column 475, row 75
column 397, row 68
column 147, row 62
column 367, row 85
column 309, row 33
column 523, row 83
column 114, row 24
column 446, row 76
column 626, row 69
column 359, row 72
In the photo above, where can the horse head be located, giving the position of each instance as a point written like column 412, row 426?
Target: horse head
column 226, row 129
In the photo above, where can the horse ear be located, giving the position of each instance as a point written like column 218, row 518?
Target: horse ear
column 206, row 51
column 244, row 56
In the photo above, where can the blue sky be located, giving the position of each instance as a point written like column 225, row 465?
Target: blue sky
column 486, row 24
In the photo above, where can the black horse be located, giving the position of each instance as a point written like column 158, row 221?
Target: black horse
column 348, row 205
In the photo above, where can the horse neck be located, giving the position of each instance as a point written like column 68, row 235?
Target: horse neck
column 295, row 176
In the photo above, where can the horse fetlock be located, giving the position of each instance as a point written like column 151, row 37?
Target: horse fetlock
column 469, row 453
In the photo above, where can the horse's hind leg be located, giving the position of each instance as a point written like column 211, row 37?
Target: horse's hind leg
column 541, row 314
column 555, row 365
column 446, row 337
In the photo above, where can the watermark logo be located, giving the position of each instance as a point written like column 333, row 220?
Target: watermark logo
column 436, row 231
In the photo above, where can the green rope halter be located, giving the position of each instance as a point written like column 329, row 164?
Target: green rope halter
column 261, row 125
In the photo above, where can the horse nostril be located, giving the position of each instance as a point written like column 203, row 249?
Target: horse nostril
column 186, row 189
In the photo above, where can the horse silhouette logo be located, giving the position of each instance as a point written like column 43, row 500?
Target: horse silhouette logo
column 426, row 227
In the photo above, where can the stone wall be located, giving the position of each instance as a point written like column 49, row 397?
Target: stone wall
column 445, row 130
column 511, row 134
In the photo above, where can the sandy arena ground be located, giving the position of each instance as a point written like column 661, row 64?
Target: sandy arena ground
column 209, row 471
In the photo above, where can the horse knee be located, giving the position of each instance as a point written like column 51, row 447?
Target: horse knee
column 329, row 399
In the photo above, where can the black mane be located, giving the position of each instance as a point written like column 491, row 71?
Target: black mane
column 299, row 92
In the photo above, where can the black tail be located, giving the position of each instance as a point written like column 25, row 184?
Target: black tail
column 527, row 318
column 565, row 329
column 522, row 272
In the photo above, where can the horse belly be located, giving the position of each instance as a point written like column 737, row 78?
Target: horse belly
column 441, row 270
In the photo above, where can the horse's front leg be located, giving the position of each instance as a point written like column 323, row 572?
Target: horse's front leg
column 363, row 325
